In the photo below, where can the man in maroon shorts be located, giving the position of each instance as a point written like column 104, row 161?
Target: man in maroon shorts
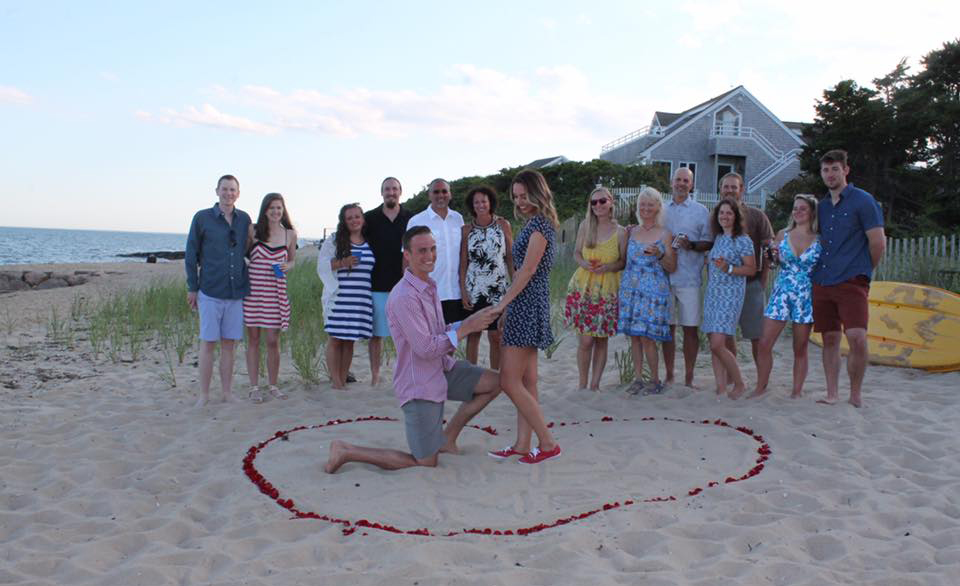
column 851, row 234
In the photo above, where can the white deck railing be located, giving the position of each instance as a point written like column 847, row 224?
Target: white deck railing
column 636, row 134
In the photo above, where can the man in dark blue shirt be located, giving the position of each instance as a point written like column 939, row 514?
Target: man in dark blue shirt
column 851, row 234
column 217, row 282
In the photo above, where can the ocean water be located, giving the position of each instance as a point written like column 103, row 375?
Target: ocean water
column 46, row 245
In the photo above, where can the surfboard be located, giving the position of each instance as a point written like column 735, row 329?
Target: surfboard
column 912, row 326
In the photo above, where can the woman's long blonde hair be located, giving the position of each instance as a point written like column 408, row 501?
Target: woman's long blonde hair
column 590, row 237
column 538, row 194
column 651, row 194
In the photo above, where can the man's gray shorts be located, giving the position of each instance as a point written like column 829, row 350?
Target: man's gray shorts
column 423, row 419
column 751, row 316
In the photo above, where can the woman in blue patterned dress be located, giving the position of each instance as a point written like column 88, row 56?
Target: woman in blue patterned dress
column 645, row 289
column 729, row 264
column 797, row 248
column 351, row 317
column 526, row 315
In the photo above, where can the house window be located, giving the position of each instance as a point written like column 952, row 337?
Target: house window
column 665, row 167
column 727, row 122
column 689, row 165
column 722, row 170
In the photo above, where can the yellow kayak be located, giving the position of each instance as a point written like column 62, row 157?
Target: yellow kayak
column 911, row 325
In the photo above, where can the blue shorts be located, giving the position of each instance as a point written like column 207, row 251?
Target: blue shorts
column 220, row 319
column 380, row 327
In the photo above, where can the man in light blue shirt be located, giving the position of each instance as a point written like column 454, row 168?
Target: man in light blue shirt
column 689, row 221
column 217, row 282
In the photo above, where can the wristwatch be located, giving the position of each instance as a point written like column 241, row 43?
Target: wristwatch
column 729, row 269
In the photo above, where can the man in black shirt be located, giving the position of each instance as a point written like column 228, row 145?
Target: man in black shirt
column 385, row 227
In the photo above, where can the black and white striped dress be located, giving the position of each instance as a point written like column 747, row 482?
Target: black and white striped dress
column 352, row 314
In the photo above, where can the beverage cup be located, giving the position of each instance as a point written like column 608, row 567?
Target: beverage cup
column 277, row 271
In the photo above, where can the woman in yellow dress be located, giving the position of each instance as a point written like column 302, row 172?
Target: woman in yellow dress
column 592, row 300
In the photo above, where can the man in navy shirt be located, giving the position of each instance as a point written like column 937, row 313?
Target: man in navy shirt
column 217, row 281
column 851, row 234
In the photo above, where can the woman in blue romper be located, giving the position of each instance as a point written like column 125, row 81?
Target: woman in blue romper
column 797, row 248
column 729, row 264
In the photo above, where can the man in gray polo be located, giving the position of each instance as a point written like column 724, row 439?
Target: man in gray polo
column 760, row 231
column 217, row 282
column 689, row 221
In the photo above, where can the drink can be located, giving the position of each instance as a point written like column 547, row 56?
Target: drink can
column 277, row 271
column 676, row 240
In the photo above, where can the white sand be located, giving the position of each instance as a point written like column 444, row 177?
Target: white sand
column 109, row 476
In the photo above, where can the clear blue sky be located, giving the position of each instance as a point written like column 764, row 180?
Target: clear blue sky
column 121, row 115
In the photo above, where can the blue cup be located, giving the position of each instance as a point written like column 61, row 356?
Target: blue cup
column 277, row 271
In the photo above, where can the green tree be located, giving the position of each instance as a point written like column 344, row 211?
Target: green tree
column 570, row 183
column 936, row 96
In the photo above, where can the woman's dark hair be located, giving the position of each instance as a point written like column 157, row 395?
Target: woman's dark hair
column 261, row 230
column 737, row 217
column 486, row 190
column 342, row 238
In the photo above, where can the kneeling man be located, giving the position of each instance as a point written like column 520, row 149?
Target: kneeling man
column 426, row 374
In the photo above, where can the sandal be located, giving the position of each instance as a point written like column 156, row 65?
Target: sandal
column 255, row 395
column 276, row 393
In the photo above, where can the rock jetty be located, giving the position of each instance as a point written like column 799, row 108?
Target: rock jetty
column 11, row 281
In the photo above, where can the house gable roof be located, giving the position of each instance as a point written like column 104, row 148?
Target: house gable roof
column 541, row 163
column 687, row 117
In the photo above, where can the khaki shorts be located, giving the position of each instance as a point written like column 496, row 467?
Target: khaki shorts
column 685, row 306
column 751, row 316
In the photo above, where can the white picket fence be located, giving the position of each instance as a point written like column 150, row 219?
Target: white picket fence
column 932, row 260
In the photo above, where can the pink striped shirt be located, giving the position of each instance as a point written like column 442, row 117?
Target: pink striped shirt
column 424, row 344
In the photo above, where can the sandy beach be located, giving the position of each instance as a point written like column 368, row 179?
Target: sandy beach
column 111, row 476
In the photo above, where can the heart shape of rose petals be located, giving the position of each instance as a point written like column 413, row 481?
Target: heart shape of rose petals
column 350, row 526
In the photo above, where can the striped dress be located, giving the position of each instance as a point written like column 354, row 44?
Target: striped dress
column 352, row 314
column 267, row 305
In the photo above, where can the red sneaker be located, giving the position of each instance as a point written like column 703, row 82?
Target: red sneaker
column 504, row 453
column 536, row 456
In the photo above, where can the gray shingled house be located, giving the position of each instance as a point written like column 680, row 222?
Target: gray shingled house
column 731, row 132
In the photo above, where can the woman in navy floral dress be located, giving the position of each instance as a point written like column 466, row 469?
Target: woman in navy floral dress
column 729, row 264
column 797, row 248
column 526, row 319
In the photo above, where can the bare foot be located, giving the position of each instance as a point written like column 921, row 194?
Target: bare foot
column 827, row 401
column 450, row 448
column 796, row 394
column 595, row 389
column 229, row 398
column 689, row 383
column 855, row 401
column 668, row 380
column 736, row 392
column 757, row 393
column 202, row 402
column 336, row 458
column 721, row 392
column 375, row 379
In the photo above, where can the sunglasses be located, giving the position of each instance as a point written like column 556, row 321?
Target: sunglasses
column 440, row 191
column 233, row 238
column 598, row 202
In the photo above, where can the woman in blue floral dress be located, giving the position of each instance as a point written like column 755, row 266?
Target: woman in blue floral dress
column 526, row 320
column 729, row 264
column 797, row 248
column 645, row 289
